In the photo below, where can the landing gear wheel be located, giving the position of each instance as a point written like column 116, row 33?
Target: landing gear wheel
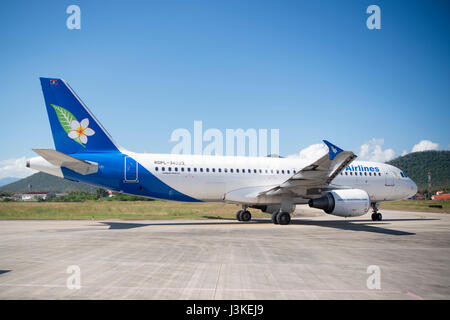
column 239, row 215
column 284, row 218
column 274, row 217
column 246, row 215
column 377, row 216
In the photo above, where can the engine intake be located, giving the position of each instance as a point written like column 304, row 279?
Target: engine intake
column 343, row 203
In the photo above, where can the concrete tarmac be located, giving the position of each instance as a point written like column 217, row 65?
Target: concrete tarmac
column 318, row 256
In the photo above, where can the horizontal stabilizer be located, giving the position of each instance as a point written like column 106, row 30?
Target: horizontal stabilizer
column 60, row 159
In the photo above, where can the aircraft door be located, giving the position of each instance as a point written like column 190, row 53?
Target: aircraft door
column 131, row 170
column 389, row 179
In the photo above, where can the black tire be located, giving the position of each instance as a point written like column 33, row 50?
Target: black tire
column 380, row 217
column 246, row 215
column 374, row 217
column 274, row 217
column 284, row 218
column 239, row 215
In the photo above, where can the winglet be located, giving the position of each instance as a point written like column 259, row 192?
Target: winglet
column 333, row 150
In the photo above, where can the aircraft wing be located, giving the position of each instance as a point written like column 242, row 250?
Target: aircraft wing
column 60, row 159
column 316, row 177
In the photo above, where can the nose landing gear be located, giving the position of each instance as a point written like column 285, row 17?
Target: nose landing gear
column 376, row 216
column 244, row 214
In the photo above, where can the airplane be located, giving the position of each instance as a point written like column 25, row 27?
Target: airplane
column 336, row 183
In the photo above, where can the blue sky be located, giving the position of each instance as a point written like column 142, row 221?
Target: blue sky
column 309, row 68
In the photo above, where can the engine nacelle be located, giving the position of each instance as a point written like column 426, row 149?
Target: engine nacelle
column 343, row 203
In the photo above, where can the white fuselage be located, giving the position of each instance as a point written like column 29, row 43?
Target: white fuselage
column 210, row 178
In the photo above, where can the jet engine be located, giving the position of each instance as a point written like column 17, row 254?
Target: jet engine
column 343, row 203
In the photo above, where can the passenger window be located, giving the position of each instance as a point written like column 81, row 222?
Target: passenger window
column 237, row 170
column 370, row 173
column 271, row 171
column 365, row 173
column 360, row 173
column 189, row 169
column 282, row 171
column 170, row 168
column 288, row 172
column 195, row 169
column 249, row 171
column 346, row 174
column 351, row 173
column 220, row 169
column 156, row 168
column 254, row 170
column 266, row 171
column 176, row 168
column 293, row 171
column 207, row 169
column 379, row 173
column 182, row 169
column 163, row 169
column 260, row 171
column 231, row 170
column 213, row 170
column 225, row 170
column 201, row 169
column 278, row 171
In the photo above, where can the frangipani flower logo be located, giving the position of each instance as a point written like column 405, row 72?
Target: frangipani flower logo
column 78, row 131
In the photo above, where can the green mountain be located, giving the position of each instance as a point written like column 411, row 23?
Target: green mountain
column 42, row 182
column 418, row 164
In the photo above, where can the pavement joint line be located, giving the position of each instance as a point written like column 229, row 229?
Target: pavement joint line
column 217, row 281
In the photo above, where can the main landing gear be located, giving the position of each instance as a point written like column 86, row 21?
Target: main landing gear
column 281, row 217
column 278, row 217
column 244, row 214
column 376, row 216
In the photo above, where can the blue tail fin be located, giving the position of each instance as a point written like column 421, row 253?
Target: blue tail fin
column 74, row 127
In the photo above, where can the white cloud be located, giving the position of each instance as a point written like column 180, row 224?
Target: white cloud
column 372, row 151
column 15, row 168
column 311, row 153
column 425, row 145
